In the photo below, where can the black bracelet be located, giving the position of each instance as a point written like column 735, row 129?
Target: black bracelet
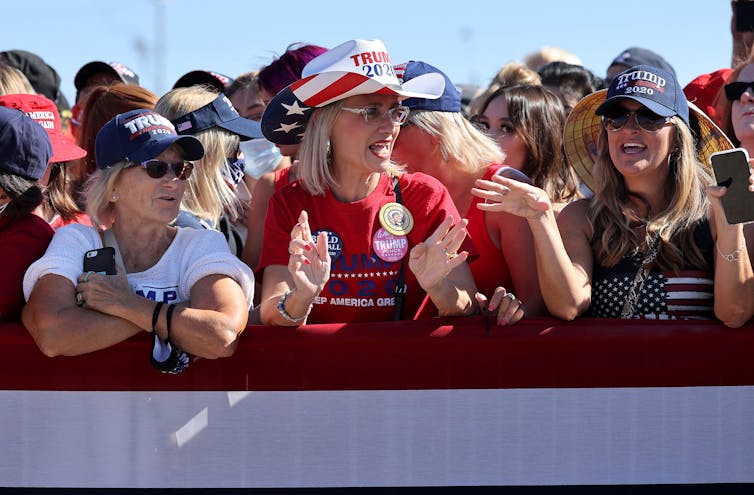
column 156, row 315
column 169, row 316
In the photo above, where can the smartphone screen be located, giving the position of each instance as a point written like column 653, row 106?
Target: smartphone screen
column 100, row 261
column 744, row 16
column 731, row 169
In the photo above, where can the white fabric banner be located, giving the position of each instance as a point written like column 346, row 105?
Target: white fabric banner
column 377, row 438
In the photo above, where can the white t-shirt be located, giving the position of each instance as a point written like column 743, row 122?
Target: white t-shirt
column 193, row 255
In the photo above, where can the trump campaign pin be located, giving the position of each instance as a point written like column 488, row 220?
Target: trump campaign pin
column 334, row 243
column 396, row 219
column 389, row 247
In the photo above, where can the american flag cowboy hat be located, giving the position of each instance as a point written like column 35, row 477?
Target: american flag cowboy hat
column 356, row 67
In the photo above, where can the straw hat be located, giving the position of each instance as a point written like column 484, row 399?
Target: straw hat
column 583, row 125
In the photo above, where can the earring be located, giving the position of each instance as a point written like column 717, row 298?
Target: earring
column 114, row 198
column 329, row 151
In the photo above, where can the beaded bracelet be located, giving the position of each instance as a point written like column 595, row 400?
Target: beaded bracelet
column 284, row 313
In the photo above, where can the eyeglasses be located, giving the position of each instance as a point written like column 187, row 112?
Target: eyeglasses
column 157, row 169
column 372, row 114
column 734, row 90
column 649, row 121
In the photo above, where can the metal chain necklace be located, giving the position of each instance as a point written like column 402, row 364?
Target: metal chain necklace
column 629, row 306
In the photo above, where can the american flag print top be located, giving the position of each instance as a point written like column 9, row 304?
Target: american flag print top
column 686, row 294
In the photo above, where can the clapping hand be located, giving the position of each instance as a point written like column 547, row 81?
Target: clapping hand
column 309, row 261
column 432, row 260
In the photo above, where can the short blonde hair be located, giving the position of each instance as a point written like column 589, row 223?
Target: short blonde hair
column 98, row 192
column 458, row 138
column 207, row 194
column 315, row 155
column 13, row 81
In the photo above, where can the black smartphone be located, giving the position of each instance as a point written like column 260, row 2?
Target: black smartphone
column 100, row 260
column 744, row 16
column 731, row 169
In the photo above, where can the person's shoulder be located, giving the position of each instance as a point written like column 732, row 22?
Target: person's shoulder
column 194, row 238
column 30, row 223
column 574, row 215
column 421, row 181
column 77, row 230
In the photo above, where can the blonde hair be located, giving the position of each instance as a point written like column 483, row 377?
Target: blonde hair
column 13, row 81
column 547, row 54
column 207, row 195
column 98, row 191
column 511, row 74
column 315, row 155
column 458, row 139
column 614, row 238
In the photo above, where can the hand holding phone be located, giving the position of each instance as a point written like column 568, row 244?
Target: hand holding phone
column 731, row 169
column 100, row 261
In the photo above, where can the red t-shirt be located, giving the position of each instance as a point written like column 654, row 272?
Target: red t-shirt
column 361, row 285
column 489, row 269
column 22, row 242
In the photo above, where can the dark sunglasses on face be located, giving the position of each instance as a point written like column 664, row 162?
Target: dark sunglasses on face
column 734, row 90
column 617, row 118
column 157, row 169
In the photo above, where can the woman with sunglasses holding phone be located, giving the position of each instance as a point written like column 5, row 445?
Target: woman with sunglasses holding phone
column 334, row 249
column 180, row 284
column 653, row 242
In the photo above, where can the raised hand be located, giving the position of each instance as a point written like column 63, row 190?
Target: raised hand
column 309, row 261
column 432, row 260
column 511, row 196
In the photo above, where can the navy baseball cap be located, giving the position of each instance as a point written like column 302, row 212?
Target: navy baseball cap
column 631, row 57
column 656, row 89
column 25, row 147
column 207, row 77
column 449, row 101
column 218, row 113
column 140, row 135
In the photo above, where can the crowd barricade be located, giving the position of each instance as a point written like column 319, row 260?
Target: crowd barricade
column 445, row 402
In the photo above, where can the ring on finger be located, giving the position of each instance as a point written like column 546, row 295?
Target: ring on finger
column 504, row 190
column 79, row 299
column 511, row 296
column 449, row 255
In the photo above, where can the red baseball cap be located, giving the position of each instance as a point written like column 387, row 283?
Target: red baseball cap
column 703, row 90
column 45, row 113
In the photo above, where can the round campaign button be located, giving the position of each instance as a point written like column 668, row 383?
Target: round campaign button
column 389, row 247
column 396, row 219
column 334, row 243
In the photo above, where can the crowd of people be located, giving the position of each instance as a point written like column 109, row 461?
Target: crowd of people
column 338, row 185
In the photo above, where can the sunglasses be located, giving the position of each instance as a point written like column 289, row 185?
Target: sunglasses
column 733, row 91
column 647, row 120
column 157, row 169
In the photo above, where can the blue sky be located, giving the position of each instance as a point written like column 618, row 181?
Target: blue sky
column 163, row 39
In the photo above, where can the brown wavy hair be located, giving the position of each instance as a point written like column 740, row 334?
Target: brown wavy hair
column 614, row 237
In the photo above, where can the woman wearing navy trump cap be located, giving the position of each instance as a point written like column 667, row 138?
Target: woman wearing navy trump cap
column 25, row 150
column 653, row 242
column 180, row 285
column 331, row 252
